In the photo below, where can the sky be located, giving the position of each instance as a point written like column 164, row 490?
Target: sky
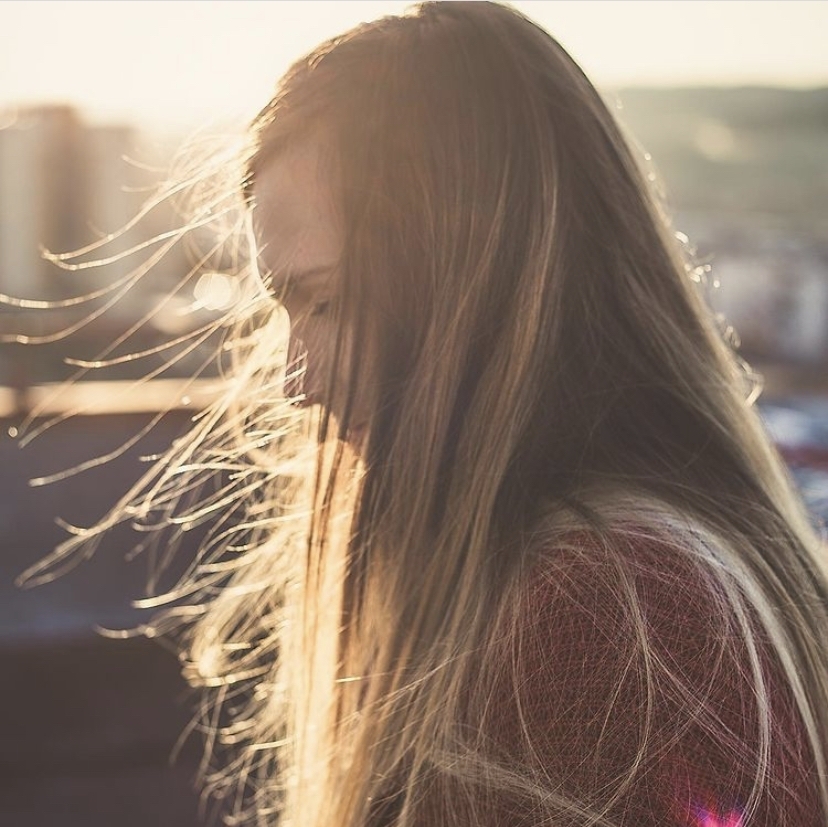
column 177, row 63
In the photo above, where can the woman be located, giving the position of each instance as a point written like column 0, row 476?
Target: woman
column 551, row 570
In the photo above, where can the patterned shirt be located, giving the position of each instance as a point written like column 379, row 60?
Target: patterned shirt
column 579, row 688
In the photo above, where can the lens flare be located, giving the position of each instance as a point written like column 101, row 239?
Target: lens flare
column 707, row 818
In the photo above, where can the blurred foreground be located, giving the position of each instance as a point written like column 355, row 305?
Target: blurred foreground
column 90, row 723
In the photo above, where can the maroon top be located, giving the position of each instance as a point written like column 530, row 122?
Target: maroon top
column 579, row 689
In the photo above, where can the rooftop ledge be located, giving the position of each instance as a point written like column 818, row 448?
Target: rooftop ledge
column 89, row 398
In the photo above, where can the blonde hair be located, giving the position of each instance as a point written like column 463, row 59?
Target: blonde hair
column 546, row 369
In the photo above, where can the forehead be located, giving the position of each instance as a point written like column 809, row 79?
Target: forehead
column 295, row 220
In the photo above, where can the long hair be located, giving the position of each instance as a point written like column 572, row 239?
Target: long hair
column 543, row 360
column 543, row 364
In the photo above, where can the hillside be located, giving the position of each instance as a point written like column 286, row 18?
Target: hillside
column 747, row 150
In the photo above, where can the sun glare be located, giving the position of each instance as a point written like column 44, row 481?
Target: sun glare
column 216, row 291
column 181, row 63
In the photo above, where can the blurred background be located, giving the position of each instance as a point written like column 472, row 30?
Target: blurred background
column 726, row 102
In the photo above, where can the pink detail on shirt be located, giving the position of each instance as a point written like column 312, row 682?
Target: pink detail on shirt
column 705, row 818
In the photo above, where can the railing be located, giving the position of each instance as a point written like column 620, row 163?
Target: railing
column 109, row 397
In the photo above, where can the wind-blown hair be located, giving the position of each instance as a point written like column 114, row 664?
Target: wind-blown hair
column 544, row 366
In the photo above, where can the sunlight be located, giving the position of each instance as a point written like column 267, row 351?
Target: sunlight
column 216, row 291
column 180, row 64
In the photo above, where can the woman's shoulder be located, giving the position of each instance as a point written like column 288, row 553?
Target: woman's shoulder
column 624, row 596
column 649, row 574
column 631, row 653
column 631, row 555
column 664, row 554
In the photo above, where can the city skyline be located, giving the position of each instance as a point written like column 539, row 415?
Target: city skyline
column 181, row 64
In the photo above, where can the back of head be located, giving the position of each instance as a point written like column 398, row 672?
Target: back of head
column 505, row 263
